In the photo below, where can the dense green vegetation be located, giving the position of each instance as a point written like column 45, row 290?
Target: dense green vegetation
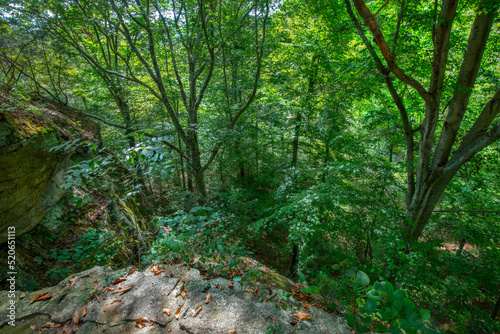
column 352, row 146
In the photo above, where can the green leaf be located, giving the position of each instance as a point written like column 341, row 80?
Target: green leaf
column 370, row 306
column 424, row 314
column 399, row 294
column 395, row 330
column 237, row 278
column 350, row 273
column 362, row 278
column 379, row 328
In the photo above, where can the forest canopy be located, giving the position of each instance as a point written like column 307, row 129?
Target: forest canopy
column 357, row 140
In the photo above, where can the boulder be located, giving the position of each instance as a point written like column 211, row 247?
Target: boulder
column 30, row 173
column 169, row 299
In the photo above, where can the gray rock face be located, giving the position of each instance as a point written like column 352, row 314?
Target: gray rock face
column 27, row 184
column 30, row 175
column 179, row 289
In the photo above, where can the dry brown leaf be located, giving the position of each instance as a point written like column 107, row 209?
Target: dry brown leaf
column 96, row 283
column 208, row 298
column 126, row 289
column 42, row 296
column 119, row 287
column 72, row 281
column 306, row 306
column 156, row 267
column 122, row 290
column 76, row 317
column 97, row 297
column 84, row 311
column 86, row 275
column 140, row 322
column 178, row 312
column 166, row 311
column 300, row 316
column 198, row 310
column 33, row 326
column 183, row 293
column 218, row 286
column 22, row 295
column 232, row 331
column 117, row 300
column 158, row 272
column 132, row 271
column 230, row 285
column 118, row 280
column 49, row 325
column 108, row 289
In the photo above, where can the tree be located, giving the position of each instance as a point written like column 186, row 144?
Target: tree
column 437, row 163
column 173, row 49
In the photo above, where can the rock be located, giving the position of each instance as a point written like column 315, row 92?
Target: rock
column 30, row 175
column 149, row 294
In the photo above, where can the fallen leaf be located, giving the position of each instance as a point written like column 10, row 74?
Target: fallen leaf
column 108, row 289
column 86, row 275
column 132, row 271
column 198, row 310
column 117, row 300
column 42, row 296
column 72, row 281
column 232, row 331
column 208, row 298
column 218, row 286
column 122, row 290
column 166, row 311
column 118, row 280
column 306, row 306
column 33, row 326
column 84, row 311
column 183, row 293
column 48, row 325
column 178, row 312
column 96, row 282
column 76, row 317
column 22, row 295
column 139, row 322
column 300, row 316
column 170, row 275
column 126, row 289
column 97, row 297
column 230, row 285
column 156, row 273
column 256, row 293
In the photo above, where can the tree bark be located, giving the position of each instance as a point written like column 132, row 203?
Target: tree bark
column 496, row 309
column 435, row 168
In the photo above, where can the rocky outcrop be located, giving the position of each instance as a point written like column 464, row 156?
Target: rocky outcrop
column 30, row 173
column 168, row 299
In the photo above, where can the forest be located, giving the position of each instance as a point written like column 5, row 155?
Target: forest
column 349, row 145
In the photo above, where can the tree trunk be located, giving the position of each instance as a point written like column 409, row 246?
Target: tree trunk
column 295, row 143
column 295, row 261
column 496, row 309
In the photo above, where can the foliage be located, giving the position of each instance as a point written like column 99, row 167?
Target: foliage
column 381, row 305
column 315, row 151
column 199, row 234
